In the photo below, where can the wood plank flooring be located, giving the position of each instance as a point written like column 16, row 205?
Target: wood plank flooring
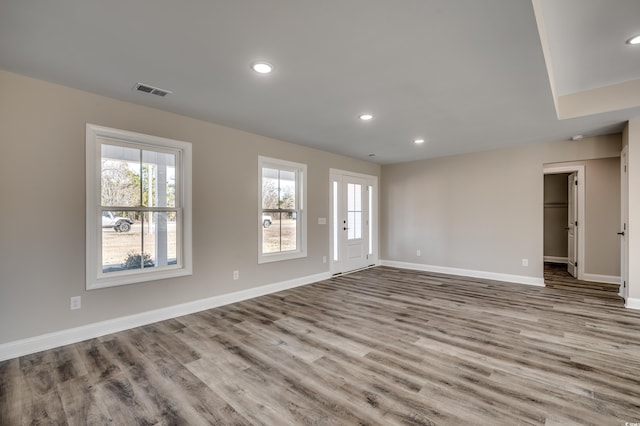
column 556, row 276
column 382, row 346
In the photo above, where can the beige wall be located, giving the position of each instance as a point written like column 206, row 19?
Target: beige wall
column 481, row 212
column 602, row 254
column 42, row 173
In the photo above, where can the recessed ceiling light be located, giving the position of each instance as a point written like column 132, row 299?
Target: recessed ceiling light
column 418, row 141
column 634, row 40
column 577, row 137
column 366, row 117
column 262, row 67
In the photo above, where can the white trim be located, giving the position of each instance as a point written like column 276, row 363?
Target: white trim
column 624, row 222
column 300, row 171
column 596, row 278
column 73, row 335
column 518, row 279
column 340, row 274
column 94, row 278
column 556, row 259
column 632, row 303
column 580, row 169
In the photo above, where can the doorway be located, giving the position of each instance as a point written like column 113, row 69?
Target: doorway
column 564, row 207
column 354, row 221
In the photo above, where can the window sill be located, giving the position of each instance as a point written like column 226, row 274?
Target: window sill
column 277, row 257
column 106, row 281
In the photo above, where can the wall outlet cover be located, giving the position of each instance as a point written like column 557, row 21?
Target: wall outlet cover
column 75, row 303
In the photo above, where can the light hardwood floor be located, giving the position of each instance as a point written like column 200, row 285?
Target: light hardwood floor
column 380, row 346
column 556, row 276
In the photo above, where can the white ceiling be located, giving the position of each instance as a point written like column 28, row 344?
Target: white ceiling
column 587, row 41
column 466, row 75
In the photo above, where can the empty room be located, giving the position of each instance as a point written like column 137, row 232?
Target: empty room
column 278, row 212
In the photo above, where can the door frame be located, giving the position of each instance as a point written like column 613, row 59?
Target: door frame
column 372, row 181
column 624, row 224
column 580, row 170
column 572, row 220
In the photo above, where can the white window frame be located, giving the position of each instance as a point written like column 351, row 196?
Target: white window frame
column 95, row 278
column 300, row 171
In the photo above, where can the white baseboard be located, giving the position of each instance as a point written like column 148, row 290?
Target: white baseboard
column 609, row 279
column 519, row 279
column 556, row 259
column 632, row 303
column 73, row 335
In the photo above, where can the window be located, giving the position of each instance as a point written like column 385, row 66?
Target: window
column 138, row 207
column 281, row 212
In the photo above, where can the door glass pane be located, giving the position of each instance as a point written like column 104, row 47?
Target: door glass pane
column 354, row 211
column 336, row 221
column 120, row 176
column 370, row 210
column 350, row 197
column 351, row 221
column 358, row 225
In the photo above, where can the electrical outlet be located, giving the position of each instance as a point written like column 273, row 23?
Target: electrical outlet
column 418, row 253
column 236, row 275
column 75, row 302
column 324, row 259
column 525, row 262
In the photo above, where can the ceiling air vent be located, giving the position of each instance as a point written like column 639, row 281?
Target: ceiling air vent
column 145, row 88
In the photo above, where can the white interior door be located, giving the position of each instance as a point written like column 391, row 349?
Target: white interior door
column 572, row 266
column 624, row 219
column 352, row 223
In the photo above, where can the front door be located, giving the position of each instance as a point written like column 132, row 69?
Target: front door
column 352, row 248
column 572, row 266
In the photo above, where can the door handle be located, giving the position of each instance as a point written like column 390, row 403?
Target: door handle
column 621, row 233
column 344, row 229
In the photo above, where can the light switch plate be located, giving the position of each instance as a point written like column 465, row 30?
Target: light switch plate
column 75, row 303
